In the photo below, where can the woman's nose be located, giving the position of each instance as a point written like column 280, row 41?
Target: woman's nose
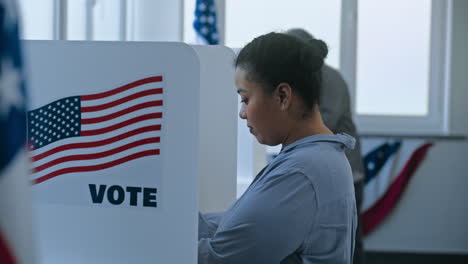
column 242, row 112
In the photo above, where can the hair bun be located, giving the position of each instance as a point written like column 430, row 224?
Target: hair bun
column 320, row 48
column 318, row 52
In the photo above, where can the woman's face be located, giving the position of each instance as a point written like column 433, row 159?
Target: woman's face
column 260, row 109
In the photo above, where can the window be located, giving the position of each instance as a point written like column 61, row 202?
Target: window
column 142, row 20
column 150, row 20
column 76, row 26
column 95, row 20
column 72, row 20
column 400, row 66
column 403, row 45
column 247, row 19
column 108, row 20
column 37, row 19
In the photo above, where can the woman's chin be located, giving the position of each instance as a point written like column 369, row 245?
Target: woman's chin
column 263, row 141
column 260, row 140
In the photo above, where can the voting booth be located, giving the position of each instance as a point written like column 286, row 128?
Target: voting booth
column 218, row 128
column 121, row 148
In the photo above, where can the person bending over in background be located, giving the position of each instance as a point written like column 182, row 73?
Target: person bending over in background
column 335, row 107
column 301, row 207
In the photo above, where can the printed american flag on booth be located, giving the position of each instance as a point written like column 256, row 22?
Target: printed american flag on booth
column 98, row 131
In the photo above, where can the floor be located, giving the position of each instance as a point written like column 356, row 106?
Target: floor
column 413, row 258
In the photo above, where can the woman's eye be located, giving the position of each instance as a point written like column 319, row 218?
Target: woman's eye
column 244, row 101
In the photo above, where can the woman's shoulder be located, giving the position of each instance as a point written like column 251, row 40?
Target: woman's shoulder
column 315, row 158
column 320, row 162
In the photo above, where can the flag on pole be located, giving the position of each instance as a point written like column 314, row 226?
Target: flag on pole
column 16, row 240
column 389, row 168
column 205, row 22
column 97, row 131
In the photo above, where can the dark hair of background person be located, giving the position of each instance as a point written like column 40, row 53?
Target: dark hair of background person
column 276, row 58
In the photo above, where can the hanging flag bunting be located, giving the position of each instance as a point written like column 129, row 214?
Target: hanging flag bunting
column 389, row 168
column 377, row 158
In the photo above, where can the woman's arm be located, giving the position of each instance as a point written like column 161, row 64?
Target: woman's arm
column 208, row 224
column 267, row 225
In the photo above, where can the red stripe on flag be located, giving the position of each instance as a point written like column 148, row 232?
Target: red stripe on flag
column 121, row 124
column 376, row 214
column 97, row 155
column 6, row 256
column 121, row 113
column 103, row 166
column 86, row 109
column 96, row 143
column 122, row 88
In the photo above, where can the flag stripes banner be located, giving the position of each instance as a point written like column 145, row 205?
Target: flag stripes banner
column 382, row 208
column 97, row 131
column 390, row 166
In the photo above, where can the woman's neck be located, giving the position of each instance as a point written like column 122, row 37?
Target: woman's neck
column 313, row 125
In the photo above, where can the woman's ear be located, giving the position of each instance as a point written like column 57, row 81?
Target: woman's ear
column 283, row 93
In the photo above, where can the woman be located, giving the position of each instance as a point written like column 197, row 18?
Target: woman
column 301, row 207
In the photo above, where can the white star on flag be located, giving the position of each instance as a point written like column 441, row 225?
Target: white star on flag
column 202, row 7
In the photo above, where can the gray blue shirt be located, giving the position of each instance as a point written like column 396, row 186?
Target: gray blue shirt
column 300, row 209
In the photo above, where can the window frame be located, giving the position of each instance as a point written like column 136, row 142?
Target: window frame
column 436, row 122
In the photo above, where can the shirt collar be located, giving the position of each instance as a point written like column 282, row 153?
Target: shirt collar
column 343, row 138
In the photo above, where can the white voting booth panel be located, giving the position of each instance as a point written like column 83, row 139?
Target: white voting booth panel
column 114, row 140
column 218, row 128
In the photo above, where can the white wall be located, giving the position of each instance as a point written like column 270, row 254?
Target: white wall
column 432, row 215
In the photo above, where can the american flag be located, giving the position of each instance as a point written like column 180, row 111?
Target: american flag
column 16, row 241
column 205, row 21
column 97, row 131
